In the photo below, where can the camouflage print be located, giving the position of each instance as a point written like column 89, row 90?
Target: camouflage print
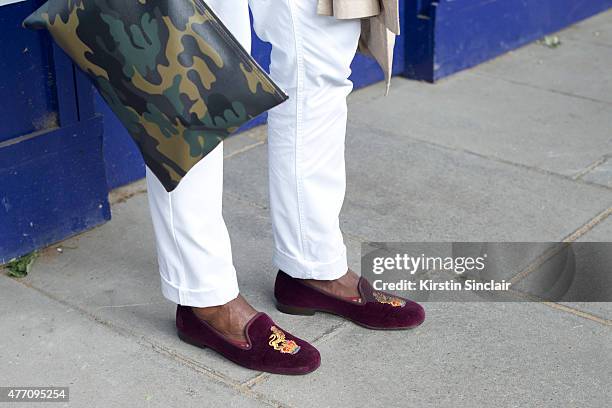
column 171, row 72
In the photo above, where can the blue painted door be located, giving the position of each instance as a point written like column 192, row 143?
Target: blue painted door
column 52, row 177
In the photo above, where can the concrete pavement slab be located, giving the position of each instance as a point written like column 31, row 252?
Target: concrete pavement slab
column 111, row 272
column 404, row 190
column 244, row 141
column 578, row 66
column 579, row 273
column 539, row 66
column 601, row 232
column 594, row 30
column 494, row 118
column 602, row 310
column 47, row 343
column 601, row 173
column 465, row 355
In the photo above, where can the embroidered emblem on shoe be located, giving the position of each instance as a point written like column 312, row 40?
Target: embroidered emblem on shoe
column 390, row 300
column 279, row 343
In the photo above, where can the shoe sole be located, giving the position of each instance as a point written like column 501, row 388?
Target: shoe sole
column 188, row 340
column 301, row 311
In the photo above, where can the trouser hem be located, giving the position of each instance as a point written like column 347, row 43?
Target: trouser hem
column 302, row 269
column 199, row 298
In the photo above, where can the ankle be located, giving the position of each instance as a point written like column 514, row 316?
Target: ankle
column 345, row 286
column 209, row 311
column 236, row 311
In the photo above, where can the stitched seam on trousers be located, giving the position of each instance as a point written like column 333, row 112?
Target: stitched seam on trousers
column 298, row 125
column 189, row 290
column 312, row 264
column 176, row 245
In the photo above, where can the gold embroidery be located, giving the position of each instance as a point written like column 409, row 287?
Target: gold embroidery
column 390, row 300
column 279, row 343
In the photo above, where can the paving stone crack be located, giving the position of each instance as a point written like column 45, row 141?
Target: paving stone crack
column 213, row 375
column 540, row 88
column 487, row 157
column 591, row 167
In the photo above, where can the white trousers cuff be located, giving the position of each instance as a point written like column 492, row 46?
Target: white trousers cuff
column 199, row 298
column 303, row 269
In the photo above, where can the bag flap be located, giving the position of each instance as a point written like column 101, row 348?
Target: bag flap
column 38, row 19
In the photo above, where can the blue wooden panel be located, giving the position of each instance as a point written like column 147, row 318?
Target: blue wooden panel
column 469, row 32
column 418, row 25
column 52, row 185
column 27, row 102
column 64, row 86
column 446, row 36
column 84, row 95
column 52, row 179
column 122, row 158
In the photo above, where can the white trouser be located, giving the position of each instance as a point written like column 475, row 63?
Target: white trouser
column 311, row 57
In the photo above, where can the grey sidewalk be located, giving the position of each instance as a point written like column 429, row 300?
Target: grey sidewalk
column 518, row 149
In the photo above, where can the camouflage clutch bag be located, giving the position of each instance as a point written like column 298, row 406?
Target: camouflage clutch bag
column 170, row 70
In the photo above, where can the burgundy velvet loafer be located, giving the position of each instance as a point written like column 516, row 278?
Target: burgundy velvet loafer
column 268, row 348
column 374, row 309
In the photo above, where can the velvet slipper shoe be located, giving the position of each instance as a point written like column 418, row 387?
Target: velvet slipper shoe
column 268, row 347
column 373, row 309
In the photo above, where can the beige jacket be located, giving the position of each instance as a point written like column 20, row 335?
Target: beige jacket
column 379, row 26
